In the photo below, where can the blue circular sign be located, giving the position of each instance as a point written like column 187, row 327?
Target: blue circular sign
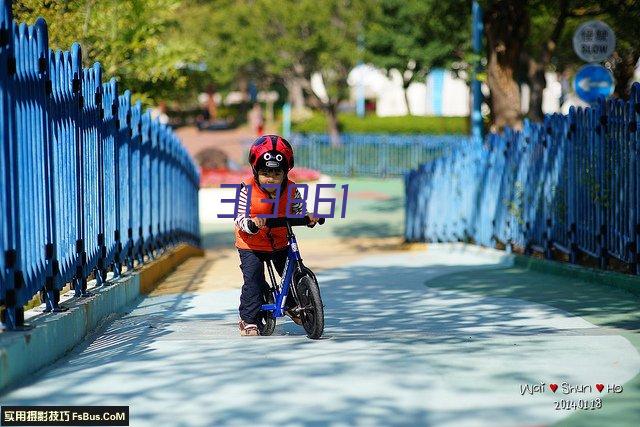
column 593, row 81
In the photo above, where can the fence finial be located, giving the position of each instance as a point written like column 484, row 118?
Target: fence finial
column 42, row 34
column 6, row 24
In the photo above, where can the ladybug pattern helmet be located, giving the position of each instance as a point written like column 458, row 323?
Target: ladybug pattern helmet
column 271, row 151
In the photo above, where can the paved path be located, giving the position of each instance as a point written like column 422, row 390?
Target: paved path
column 436, row 337
column 233, row 141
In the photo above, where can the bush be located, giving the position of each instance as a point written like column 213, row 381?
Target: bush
column 350, row 123
column 230, row 113
column 212, row 158
column 213, row 177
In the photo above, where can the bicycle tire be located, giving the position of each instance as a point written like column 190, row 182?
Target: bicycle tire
column 266, row 321
column 313, row 313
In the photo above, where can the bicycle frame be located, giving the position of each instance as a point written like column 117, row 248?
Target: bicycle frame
column 291, row 264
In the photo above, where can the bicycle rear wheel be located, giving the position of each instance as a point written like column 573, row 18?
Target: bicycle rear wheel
column 266, row 321
column 312, row 308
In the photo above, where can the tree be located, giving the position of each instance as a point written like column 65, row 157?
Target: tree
column 549, row 46
column 623, row 16
column 548, row 22
column 136, row 41
column 413, row 36
column 506, row 24
column 287, row 42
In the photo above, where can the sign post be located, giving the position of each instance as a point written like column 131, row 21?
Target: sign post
column 476, row 92
column 594, row 41
column 593, row 81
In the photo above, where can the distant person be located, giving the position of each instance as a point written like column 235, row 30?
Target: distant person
column 212, row 108
column 160, row 112
column 256, row 119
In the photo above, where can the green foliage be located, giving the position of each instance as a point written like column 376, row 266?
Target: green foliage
column 65, row 19
column 416, row 35
column 274, row 41
column 136, row 41
column 623, row 16
column 350, row 123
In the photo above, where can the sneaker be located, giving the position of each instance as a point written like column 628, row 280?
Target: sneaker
column 248, row 329
column 295, row 317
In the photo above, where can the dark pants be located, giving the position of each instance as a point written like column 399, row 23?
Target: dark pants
column 253, row 271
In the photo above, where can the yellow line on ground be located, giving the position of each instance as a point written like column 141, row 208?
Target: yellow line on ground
column 151, row 274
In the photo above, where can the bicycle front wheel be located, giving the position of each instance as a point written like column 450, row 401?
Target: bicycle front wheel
column 312, row 308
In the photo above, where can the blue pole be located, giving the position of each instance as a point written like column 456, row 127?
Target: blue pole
column 476, row 92
column 360, row 93
column 360, row 87
column 286, row 120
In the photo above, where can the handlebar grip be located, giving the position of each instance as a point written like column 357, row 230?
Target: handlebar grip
column 282, row 222
column 252, row 226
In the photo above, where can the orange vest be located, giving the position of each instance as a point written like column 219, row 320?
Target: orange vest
column 266, row 239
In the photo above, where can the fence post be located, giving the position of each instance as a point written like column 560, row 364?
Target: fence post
column 6, row 202
column 79, row 280
column 547, row 144
column 49, row 294
column 348, row 148
column 145, row 184
column 12, row 315
column 601, row 126
column 385, row 157
column 154, row 188
column 635, row 180
column 571, row 185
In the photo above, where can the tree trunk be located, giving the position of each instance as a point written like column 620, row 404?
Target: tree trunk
column 623, row 73
column 537, row 84
column 330, row 111
column 243, row 108
column 296, row 95
column 332, row 124
column 536, row 68
column 405, row 89
column 506, row 27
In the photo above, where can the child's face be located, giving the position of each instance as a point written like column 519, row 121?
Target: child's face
column 270, row 176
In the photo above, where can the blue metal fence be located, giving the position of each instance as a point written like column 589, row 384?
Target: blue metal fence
column 371, row 155
column 88, row 182
column 570, row 184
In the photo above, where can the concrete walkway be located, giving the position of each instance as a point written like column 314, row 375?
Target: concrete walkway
column 455, row 352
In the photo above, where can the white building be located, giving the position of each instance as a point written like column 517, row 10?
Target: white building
column 441, row 94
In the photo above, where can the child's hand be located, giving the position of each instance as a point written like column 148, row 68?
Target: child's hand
column 312, row 220
column 259, row 222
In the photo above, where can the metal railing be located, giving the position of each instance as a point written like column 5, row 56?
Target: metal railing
column 88, row 181
column 371, row 154
column 570, row 185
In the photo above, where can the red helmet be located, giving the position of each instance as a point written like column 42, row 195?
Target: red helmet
column 271, row 151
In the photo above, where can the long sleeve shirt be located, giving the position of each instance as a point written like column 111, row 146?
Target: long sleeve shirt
column 242, row 220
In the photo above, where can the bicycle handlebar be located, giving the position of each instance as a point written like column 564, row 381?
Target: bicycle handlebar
column 282, row 222
column 294, row 222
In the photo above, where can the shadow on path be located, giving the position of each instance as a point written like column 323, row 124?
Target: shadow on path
column 601, row 305
column 396, row 352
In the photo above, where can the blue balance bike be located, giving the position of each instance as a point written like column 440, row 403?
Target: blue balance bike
column 298, row 280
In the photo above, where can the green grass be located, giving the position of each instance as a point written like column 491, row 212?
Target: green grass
column 350, row 123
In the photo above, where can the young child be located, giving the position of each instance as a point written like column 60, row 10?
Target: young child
column 271, row 158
